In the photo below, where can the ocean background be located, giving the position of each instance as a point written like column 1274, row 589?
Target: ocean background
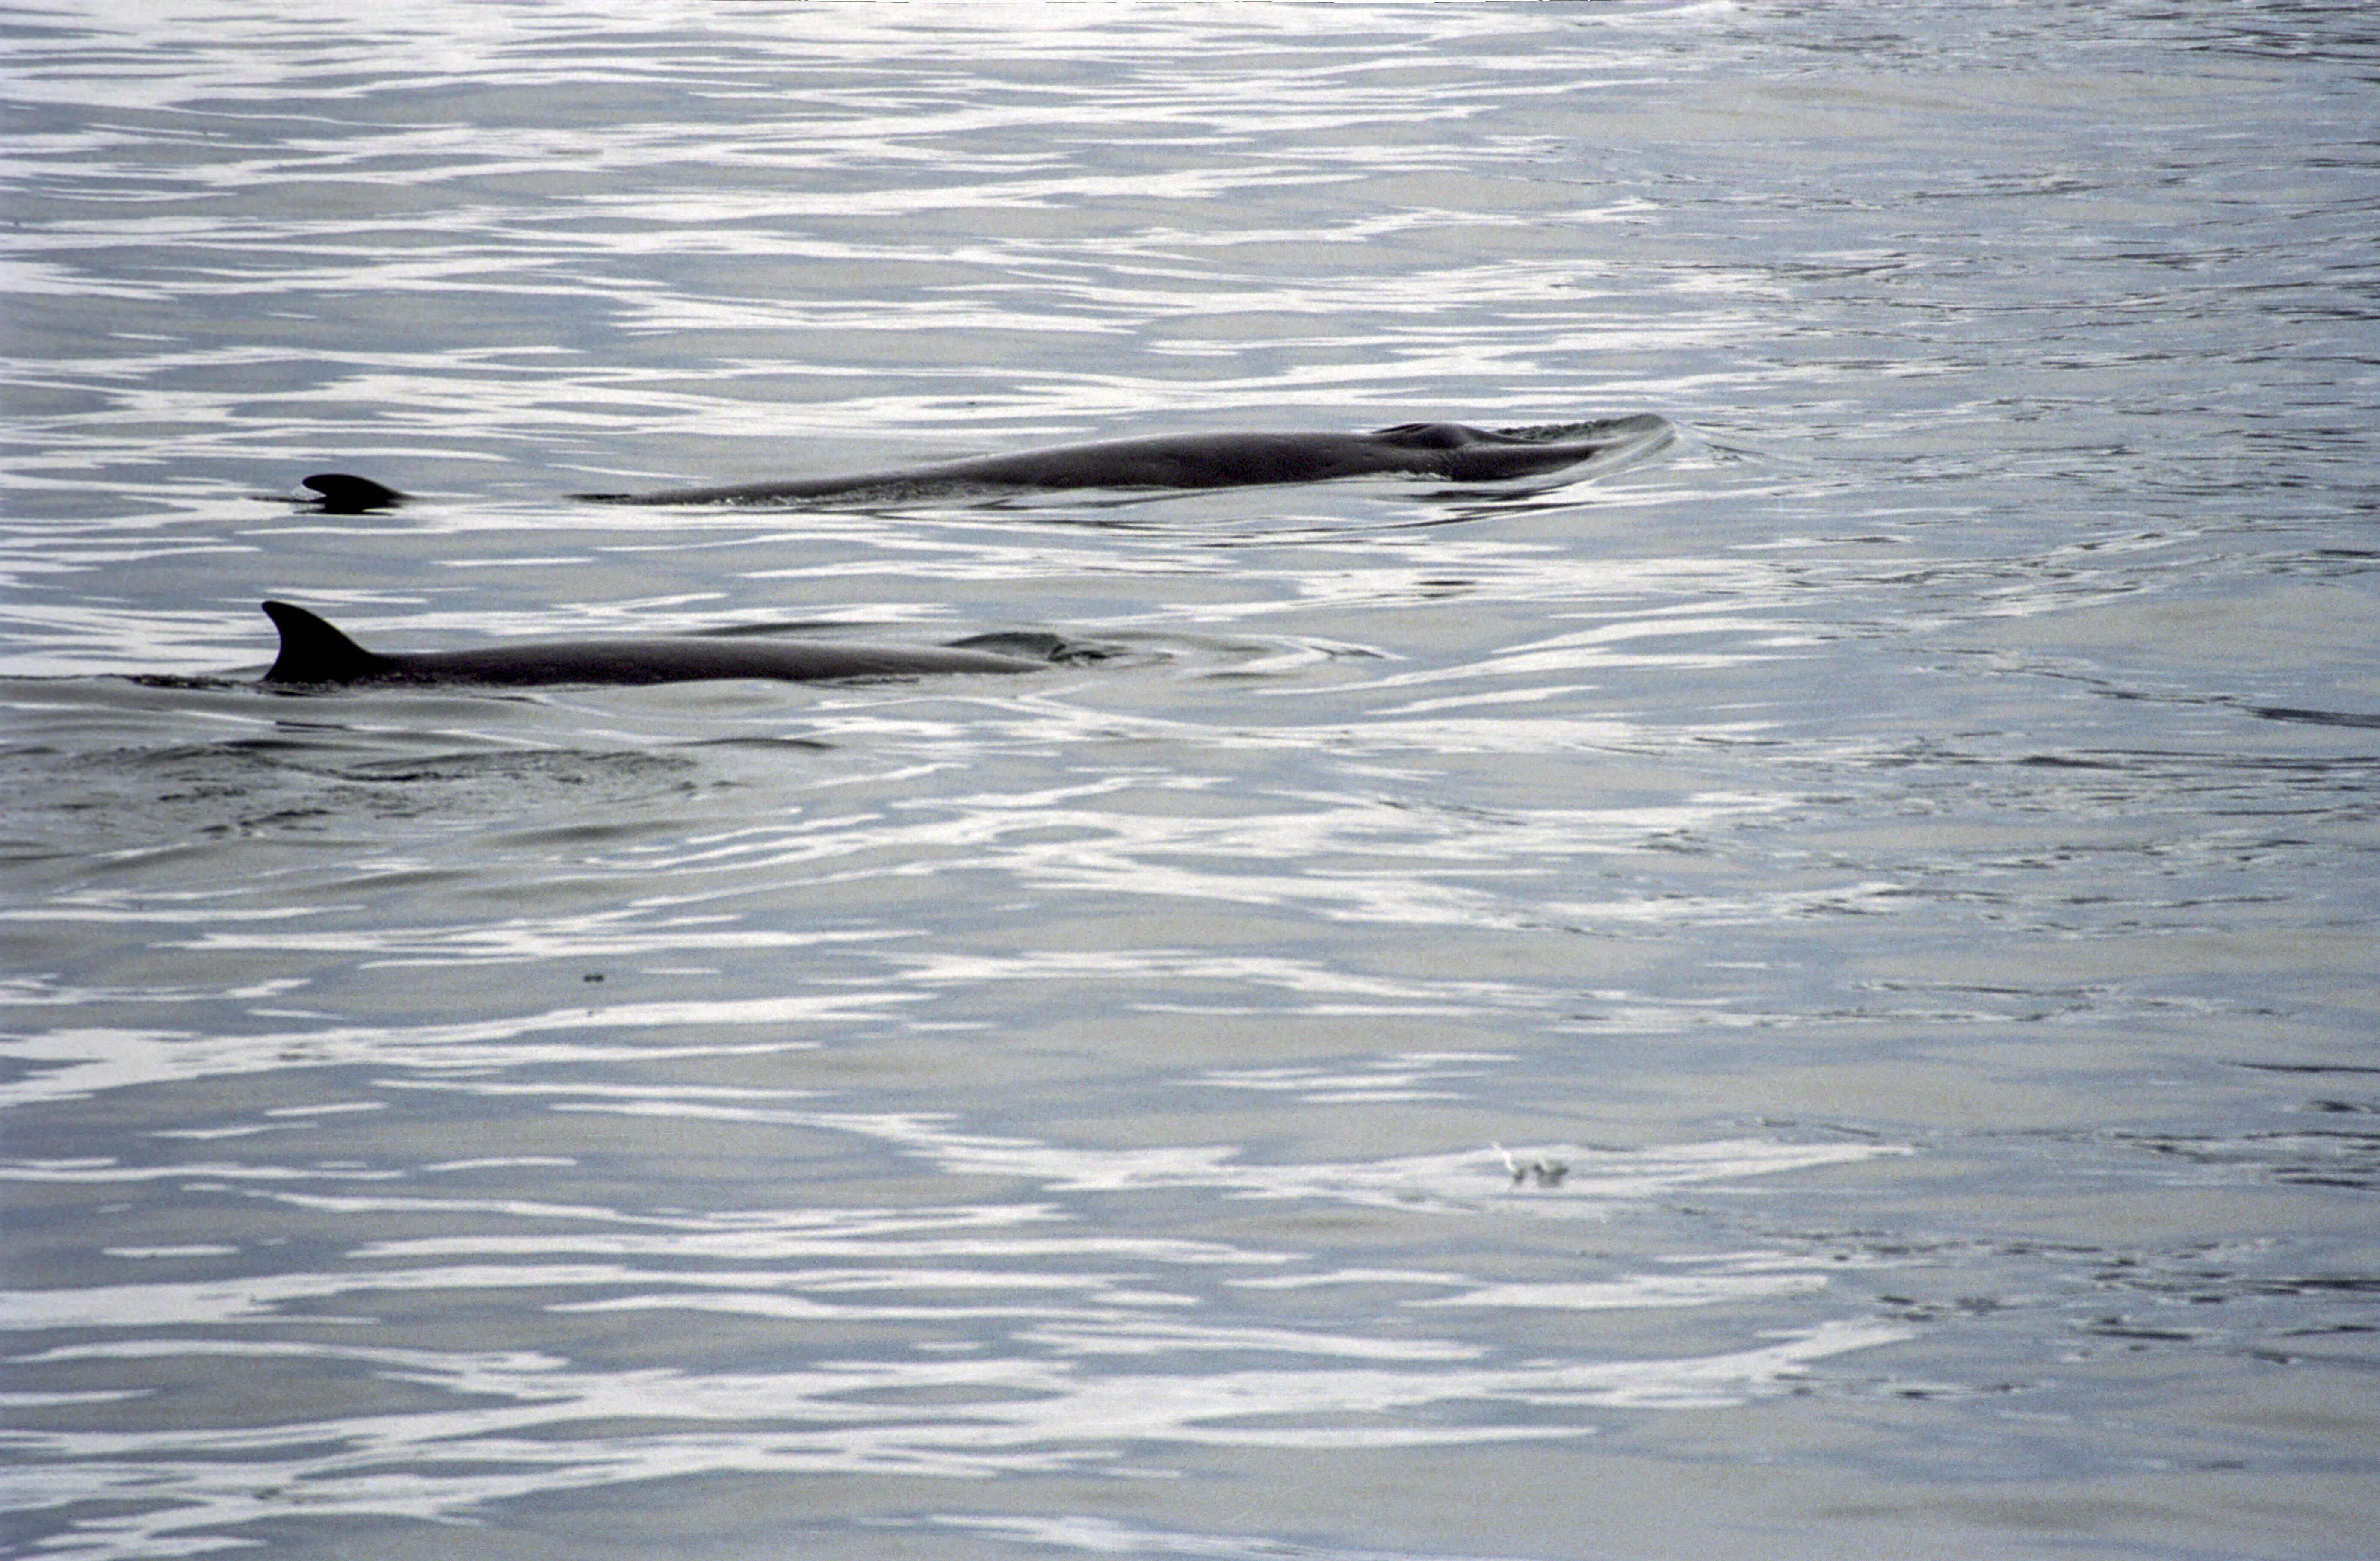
column 1810, row 994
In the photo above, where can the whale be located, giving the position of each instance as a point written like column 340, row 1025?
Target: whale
column 313, row 651
column 1449, row 452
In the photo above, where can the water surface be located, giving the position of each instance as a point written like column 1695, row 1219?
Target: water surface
column 1808, row 994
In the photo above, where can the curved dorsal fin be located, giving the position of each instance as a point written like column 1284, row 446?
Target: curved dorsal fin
column 313, row 651
column 342, row 493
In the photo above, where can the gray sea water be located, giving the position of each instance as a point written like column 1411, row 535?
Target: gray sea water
column 1809, row 994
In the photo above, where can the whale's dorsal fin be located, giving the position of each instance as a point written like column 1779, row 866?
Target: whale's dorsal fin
column 313, row 651
column 345, row 493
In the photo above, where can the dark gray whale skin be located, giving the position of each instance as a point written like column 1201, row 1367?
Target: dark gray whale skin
column 313, row 651
column 1448, row 450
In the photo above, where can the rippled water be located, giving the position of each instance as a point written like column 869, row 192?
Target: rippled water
column 1809, row 994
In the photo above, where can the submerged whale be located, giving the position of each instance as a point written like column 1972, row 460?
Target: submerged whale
column 1451, row 452
column 313, row 651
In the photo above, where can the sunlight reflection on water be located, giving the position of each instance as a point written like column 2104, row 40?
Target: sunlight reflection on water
column 1763, row 995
